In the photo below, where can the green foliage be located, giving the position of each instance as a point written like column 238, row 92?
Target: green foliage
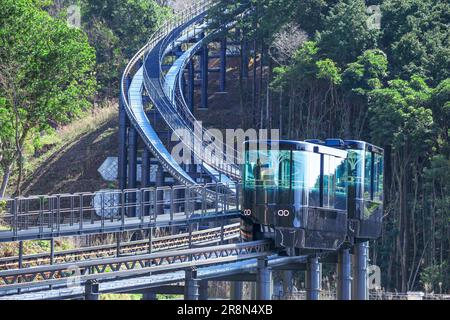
column 117, row 30
column 415, row 37
column 345, row 33
column 46, row 72
column 367, row 72
column 307, row 65
column 435, row 277
column 399, row 113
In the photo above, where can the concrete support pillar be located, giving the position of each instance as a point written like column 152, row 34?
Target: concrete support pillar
column 204, row 73
column 132, row 169
column 160, row 193
column 360, row 277
column 344, row 273
column 203, row 290
column 191, row 285
column 264, row 280
column 313, row 279
column 236, row 290
column 191, row 85
column 122, row 165
column 223, row 65
column 91, row 290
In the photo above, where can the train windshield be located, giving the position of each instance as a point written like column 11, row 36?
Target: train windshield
column 296, row 177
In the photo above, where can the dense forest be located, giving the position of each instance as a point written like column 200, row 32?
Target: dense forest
column 354, row 69
column 376, row 71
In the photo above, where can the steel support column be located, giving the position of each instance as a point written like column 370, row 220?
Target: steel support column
column 223, row 65
column 264, row 280
column 149, row 296
column 360, row 276
column 132, row 169
column 52, row 251
column 313, row 279
column 288, row 282
column 145, row 179
column 122, row 165
column 236, row 290
column 344, row 273
column 203, row 290
column 91, row 290
column 159, row 193
column 204, row 72
column 191, row 286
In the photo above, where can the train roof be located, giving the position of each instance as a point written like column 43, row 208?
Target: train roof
column 301, row 146
column 348, row 144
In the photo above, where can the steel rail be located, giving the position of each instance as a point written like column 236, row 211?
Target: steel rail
column 178, row 241
column 131, row 266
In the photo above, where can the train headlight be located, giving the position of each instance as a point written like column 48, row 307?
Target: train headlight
column 284, row 213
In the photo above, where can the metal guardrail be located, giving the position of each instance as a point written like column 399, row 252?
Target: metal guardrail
column 203, row 237
column 131, row 266
column 37, row 217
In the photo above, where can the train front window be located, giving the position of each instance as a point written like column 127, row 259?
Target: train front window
column 269, row 171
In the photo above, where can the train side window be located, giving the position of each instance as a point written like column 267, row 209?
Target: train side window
column 368, row 176
column 299, row 177
column 335, row 182
column 313, row 179
column 378, row 178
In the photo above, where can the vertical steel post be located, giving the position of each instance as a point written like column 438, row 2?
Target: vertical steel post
column 145, row 180
column 20, row 254
column 288, row 283
column 223, row 65
column 236, row 290
column 118, row 239
column 123, row 126
column 149, row 296
column 159, row 193
column 344, row 272
column 204, row 72
column 313, row 281
column 52, row 251
column 203, row 290
column 191, row 285
column 264, row 280
column 132, row 169
column 360, row 276
column 91, row 290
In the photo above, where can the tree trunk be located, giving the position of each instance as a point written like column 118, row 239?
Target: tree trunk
column 5, row 180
